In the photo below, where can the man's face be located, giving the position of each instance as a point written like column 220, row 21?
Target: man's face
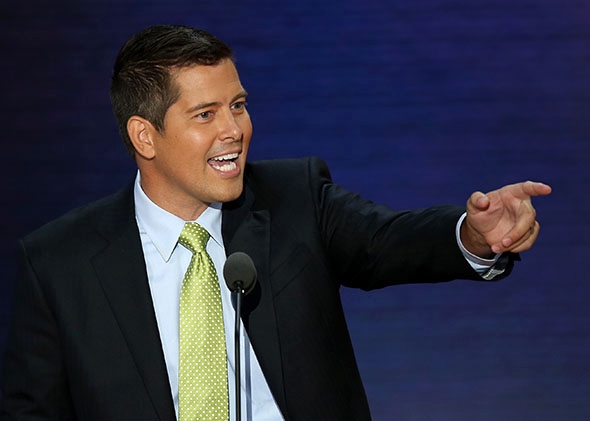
column 199, row 157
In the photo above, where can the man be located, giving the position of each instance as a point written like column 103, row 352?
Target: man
column 96, row 332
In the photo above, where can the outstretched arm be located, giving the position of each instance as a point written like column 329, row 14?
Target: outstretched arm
column 502, row 220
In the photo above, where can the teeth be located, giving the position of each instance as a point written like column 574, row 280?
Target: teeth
column 230, row 166
column 226, row 157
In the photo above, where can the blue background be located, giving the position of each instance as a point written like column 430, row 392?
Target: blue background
column 411, row 104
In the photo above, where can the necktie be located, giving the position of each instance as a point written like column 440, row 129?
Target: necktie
column 202, row 382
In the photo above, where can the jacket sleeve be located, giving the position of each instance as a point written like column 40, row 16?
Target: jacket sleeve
column 373, row 246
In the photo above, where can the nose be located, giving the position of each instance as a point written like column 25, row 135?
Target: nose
column 229, row 127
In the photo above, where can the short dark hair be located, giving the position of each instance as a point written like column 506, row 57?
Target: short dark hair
column 142, row 83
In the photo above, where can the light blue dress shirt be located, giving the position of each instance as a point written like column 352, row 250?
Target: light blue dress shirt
column 166, row 263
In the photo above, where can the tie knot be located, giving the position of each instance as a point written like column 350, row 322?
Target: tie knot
column 194, row 237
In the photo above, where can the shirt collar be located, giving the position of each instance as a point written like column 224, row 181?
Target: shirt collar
column 163, row 228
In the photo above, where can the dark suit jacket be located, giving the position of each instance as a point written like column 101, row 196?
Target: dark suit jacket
column 84, row 342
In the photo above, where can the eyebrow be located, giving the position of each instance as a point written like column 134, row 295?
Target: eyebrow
column 242, row 94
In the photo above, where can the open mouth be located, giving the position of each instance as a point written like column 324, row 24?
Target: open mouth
column 225, row 163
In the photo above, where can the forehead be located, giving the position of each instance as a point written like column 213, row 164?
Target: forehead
column 204, row 80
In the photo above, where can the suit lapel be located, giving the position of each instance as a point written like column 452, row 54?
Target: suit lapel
column 248, row 230
column 121, row 271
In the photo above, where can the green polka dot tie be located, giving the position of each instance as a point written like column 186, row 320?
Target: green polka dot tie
column 202, row 380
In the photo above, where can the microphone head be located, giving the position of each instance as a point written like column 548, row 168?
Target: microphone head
column 239, row 272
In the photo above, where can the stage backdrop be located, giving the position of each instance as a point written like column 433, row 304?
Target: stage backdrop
column 411, row 104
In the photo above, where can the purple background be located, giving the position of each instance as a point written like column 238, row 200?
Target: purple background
column 411, row 104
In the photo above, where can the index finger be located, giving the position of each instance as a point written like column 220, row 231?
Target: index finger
column 532, row 188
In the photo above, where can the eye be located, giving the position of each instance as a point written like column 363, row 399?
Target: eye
column 205, row 115
column 239, row 106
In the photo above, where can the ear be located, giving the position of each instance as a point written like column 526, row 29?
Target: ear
column 142, row 133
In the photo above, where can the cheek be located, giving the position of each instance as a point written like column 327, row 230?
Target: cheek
column 195, row 150
column 247, row 130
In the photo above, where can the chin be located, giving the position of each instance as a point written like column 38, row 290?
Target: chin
column 231, row 193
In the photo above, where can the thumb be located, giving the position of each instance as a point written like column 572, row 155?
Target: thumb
column 479, row 201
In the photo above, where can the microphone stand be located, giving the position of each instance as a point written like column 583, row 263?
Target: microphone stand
column 238, row 398
column 240, row 277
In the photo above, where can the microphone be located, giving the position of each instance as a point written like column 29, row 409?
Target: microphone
column 239, row 273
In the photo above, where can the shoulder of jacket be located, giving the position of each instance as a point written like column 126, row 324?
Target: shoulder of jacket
column 84, row 219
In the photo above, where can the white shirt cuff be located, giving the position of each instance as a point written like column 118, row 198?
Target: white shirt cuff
column 480, row 265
